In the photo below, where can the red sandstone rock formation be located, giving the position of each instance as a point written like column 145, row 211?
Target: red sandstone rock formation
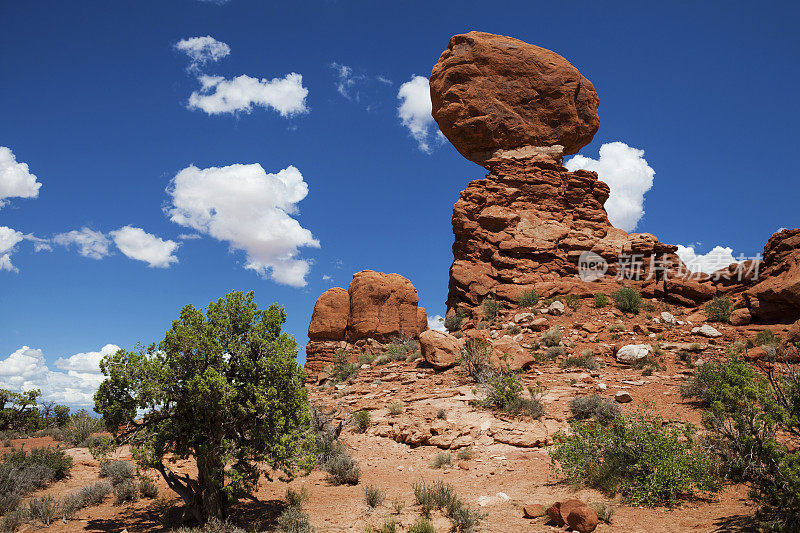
column 493, row 93
column 377, row 308
column 776, row 296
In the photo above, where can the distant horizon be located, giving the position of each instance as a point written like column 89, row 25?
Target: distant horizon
column 163, row 154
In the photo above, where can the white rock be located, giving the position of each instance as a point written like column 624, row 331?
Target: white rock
column 523, row 317
column 556, row 308
column 602, row 386
column 668, row 318
column 503, row 496
column 706, row 331
column 630, row 353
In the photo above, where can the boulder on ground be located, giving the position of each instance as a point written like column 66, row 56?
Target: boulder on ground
column 706, row 331
column 623, row 397
column 439, row 349
column 583, row 519
column 507, row 351
column 740, row 317
column 559, row 511
column 631, row 353
column 533, row 510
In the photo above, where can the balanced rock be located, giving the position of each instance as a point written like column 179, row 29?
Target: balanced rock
column 498, row 96
column 439, row 349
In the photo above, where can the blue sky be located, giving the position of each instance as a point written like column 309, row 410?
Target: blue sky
column 95, row 99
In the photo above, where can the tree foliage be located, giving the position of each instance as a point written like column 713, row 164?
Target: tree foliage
column 222, row 387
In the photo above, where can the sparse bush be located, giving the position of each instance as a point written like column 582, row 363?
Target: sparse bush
column 766, row 338
column 528, row 298
column 605, row 511
column 719, row 309
column 398, row 505
column 51, row 459
column 102, row 447
column 614, row 328
column 80, row 427
column 465, row 454
column 296, row 498
column 382, row 360
column 453, row 322
column 43, row 509
column 600, row 300
column 441, row 414
column 362, row 420
column 86, row 496
column 552, row 337
column 422, row 525
column 342, row 469
column 396, row 408
column 483, row 324
column 638, row 456
column 294, row 520
column 627, row 300
column 585, row 360
column 214, row 525
column 148, row 488
column 14, row 519
column 389, row 525
column 440, row 495
column 594, row 406
column 475, row 360
column 126, row 491
column 513, row 330
column 573, row 301
column 504, row 393
column 442, row 459
column 373, row 496
column 554, row 352
column 413, row 356
column 490, row 308
column 117, row 471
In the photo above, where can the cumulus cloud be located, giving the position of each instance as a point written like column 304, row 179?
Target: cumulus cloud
column 16, row 180
column 218, row 95
column 74, row 385
column 719, row 257
column 202, row 50
column 250, row 209
column 627, row 173
column 90, row 243
column 436, row 322
column 142, row 246
column 415, row 112
column 9, row 238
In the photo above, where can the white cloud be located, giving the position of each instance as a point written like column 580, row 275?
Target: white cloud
column 16, row 180
column 142, row 246
column 627, row 173
column 74, row 385
column 90, row 243
column 436, row 322
column 202, row 50
column 218, row 95
column 189, row 236
column 718, row 257
column 345, row 81
column 326, row 277
column 249, row 209
column 9, row 238
column 415, row 112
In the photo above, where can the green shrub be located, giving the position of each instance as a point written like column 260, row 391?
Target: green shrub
column 117, row 471
column 596, row 407
column 86, row 496
column 398, row 505
column 528, row 298
column 647, row 462
column 14, row 520
column 441, row 414
column 627, row 300
column 453, row 322
column 296, row 498
column 294, row 520
column 126, row 491
column 56, row 461
column 440, row 495
column 81, row 426
column 396, row 408
column 719, row 309
column 585, row 360
column 490, row 308
column 605, row 511
column 552, row 337
column 373, row 496
column 102, row 447
column 504, row 393
column 214, row 525
column 600, row 300
column 362, row 420
column 767, row 338
column 475, row 360
column 342, row 469
column 442, row 459
column 43, row 509
column 422, row 525
column 343, row 370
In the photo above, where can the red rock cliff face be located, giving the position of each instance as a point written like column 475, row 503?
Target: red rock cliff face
column 376, row 309
column 776, row 296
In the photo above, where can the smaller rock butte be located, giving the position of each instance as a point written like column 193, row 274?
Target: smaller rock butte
column 376, row 309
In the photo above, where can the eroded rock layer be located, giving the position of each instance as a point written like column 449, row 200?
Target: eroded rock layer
column 376, row 309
